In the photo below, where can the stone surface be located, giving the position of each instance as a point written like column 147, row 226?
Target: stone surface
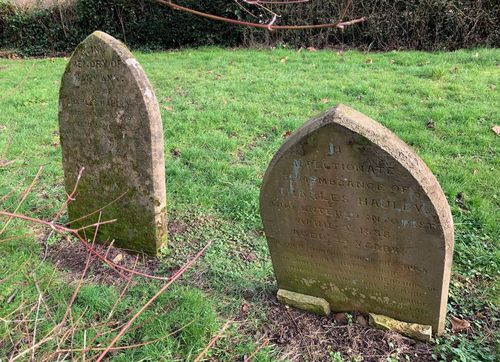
column 110, row 124
column 304, row 302
column 412, row 330
column 361, row 321
column 354, row 216
column 340, row 318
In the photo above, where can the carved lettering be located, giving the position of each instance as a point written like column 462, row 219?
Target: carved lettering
column 353, row 216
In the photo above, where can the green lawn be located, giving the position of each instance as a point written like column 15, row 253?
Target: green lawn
column 225, row 113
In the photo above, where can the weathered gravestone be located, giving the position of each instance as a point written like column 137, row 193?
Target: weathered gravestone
column 110, row 124
column 354, row 216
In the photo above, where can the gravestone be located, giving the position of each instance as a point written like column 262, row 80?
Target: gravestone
column 110, row 124
column 352, row 215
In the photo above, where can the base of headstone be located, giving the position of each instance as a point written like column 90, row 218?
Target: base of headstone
column 413, row 330
column 305, row 302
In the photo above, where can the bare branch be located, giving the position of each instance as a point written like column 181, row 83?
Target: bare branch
column 212, row 341
column 23, row 197
column 338, row 24
column 174, row 277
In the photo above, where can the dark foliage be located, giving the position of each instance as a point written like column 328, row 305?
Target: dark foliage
column 144, row 24
column 141, row 24
column 391, row 24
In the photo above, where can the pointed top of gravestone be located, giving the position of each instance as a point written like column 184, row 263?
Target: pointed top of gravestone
column 354, row 216
column 110, row 124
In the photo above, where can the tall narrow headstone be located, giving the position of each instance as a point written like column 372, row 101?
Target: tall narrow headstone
column 352, row 215
column 110, row 124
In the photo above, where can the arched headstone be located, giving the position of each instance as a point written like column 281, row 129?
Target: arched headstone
column 352, row 215
column 110, row 124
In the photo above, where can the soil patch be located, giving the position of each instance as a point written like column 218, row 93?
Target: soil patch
column 305, row 336
column 72, row 257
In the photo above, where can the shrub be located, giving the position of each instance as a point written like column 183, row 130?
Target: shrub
column 141, row 24
column 390, row 24
column 145, row 24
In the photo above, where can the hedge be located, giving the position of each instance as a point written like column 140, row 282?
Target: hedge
column 142, row 24
column 145, row 24
column 392, row 24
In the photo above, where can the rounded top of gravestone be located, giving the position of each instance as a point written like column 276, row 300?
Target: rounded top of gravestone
column 110, row 124
column 374, row 132
column 352, row 215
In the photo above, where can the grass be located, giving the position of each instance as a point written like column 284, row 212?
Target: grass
column 225, row 113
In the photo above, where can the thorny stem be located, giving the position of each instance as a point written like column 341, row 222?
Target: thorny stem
column 71, row 196
column 174, row 277
column 62, row 229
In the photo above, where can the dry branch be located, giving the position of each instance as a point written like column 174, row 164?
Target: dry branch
column 212, row 341
column 269, row 26
column 174, row 277
column 23, row 197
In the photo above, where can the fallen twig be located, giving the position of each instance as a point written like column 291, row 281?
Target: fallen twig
column 23, row 197
column 262, row 345
column 212, row 341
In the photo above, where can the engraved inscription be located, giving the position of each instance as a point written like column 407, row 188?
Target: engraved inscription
column 110, row 124
column 353, row 216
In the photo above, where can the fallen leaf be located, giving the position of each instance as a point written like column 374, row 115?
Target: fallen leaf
column 324, row 100
column 430, row 124
column 392, row 61
column 493, row 87
column 287, row 134
column 459, row 325
column 361, row 321
column 168, row 108
column 118, row 258
column 218, row 76
column 248, row 256
column 175, row 152
column 2, row 127
column 167, row 99
column 283, row 60
column 460, row 201
column 340, row 318
column 369, row 61
column 311, row 49
column 245, row 307
column 496, row 130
